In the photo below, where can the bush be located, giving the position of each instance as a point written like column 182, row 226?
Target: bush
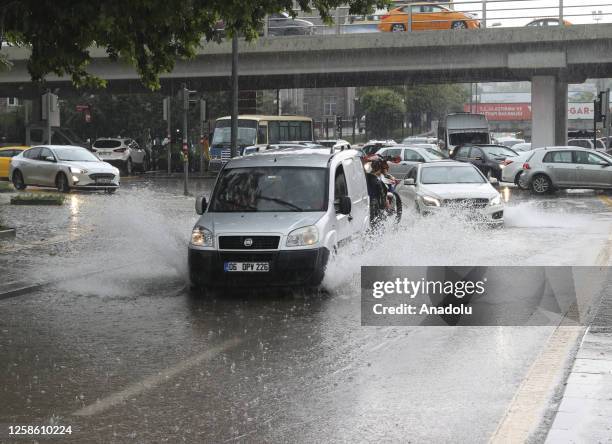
column 37, row 199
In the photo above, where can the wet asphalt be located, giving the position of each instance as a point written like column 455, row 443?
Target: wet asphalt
column 115, row 344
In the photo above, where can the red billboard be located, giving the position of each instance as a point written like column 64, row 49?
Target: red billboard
column 501, row 111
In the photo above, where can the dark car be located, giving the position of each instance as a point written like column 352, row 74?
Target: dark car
column 487, row 158
column 280, row 24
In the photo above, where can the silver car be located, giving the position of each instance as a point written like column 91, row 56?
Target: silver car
column 409, row 157
column 63, row 167
column 556, row 167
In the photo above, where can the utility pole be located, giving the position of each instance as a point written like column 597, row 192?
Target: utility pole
column 202, row 135
column 234, row 133
column 185, row 97
column 167, row 118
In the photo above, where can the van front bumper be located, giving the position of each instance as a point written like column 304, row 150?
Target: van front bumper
column 288, row 268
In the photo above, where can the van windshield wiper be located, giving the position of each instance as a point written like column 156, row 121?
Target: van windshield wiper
column 281, row 201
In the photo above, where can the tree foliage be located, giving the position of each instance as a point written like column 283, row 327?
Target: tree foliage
column 149, row 34
column 383, row 108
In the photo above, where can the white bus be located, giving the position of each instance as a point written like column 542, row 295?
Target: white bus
column 256, row 130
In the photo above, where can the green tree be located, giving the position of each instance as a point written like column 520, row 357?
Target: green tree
column 149, row 34
column 382, row 107
column 434, row 101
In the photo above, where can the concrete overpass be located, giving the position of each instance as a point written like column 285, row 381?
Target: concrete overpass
column 549, row 57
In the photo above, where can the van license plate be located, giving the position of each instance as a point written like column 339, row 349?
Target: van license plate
column 247, row 266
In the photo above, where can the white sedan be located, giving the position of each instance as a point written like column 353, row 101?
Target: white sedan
column 63, row 167
column 454, row 186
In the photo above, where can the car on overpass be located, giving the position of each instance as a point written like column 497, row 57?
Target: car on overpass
column 557, row 167
column 426, row 17
column 547, row 21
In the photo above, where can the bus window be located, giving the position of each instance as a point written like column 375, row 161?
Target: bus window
column 262, row 134
column 285, row 131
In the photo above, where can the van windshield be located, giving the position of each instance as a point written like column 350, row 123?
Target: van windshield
column 270, row 189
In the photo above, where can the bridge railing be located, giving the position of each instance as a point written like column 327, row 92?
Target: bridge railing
column 462, row 14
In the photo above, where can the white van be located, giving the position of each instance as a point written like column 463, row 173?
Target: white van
column 275, row 216
column 464, row 128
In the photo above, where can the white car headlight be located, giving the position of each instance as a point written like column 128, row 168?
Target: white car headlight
column 430, row 201
column 496, row 200
column 202, row 237
column 75, row 170
column 303, row 236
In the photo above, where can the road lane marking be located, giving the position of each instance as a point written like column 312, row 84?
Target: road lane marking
column 528, row 406
column 154, row 380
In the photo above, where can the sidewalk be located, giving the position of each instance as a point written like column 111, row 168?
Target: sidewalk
column 585, row 412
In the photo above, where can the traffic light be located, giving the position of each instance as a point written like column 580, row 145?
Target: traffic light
column 603, row 105
column 339, row 126
column 597, row 110
column 186, row 97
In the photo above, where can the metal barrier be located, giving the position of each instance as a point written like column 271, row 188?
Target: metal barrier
column 461, row 14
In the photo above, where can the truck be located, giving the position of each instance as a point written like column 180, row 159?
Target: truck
column 462, row 128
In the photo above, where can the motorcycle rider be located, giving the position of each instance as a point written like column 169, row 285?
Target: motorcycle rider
column 377, row 190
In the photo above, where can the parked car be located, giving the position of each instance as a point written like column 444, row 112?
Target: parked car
column 521, row 147
column 557, row 167
column 123, row 153
column 409, row 157
column 337, row 144
column 512, row 168
column 508, row 141
column 372, row 146
column 487, row 158
column 548, row 21
column 433, row 187
column 275, row 219
column 63, row 167
column 6, row 154
column 411, row 140
column 425, row 17
column 588, row 143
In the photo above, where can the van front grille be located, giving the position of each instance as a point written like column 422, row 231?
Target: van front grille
column 248, row 242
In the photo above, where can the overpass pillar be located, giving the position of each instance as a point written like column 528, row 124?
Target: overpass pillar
column 548, row 111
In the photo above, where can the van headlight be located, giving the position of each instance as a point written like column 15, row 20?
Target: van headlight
column 202, row 237
column 496, row 200
column 303, row 236
column 430, row 201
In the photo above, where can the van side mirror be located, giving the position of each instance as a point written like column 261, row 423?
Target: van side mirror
column 343, row 205
column 200, row 204
column 409, row 182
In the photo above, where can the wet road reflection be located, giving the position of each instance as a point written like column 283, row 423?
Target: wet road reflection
column 164, row 364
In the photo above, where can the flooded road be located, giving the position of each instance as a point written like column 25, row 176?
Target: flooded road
column 114, row 344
